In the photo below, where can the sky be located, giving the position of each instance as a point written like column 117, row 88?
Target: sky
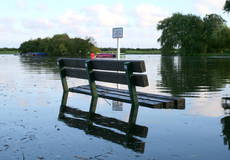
column 22, row 20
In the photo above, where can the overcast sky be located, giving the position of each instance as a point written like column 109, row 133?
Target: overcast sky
column 21, row 20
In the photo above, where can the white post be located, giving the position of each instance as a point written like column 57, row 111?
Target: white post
column 118, row 55
column 118, row 49
column 118, row 33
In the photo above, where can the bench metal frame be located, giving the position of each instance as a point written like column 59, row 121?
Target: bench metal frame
column 88, row 69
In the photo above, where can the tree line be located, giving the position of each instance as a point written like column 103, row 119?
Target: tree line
column 227, row 6
column 193, row 34
column 125, row 50
column 60, row 45
column 8, row 49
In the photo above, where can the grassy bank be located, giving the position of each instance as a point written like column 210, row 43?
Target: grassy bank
column 8, row 52
column 135, row 51
column 143, row 52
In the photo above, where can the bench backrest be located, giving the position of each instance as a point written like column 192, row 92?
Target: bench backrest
column 104, row 70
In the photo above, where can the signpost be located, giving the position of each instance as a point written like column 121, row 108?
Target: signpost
column 118, row 33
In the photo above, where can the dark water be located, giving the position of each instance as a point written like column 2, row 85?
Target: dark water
column 31, row 93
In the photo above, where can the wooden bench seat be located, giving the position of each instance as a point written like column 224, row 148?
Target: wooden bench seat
column 144, row 99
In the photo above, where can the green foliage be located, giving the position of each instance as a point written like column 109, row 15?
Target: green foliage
column 8, row 49
column 191, row 34
column 214, row 32
column 60, row 45
column 227, row 6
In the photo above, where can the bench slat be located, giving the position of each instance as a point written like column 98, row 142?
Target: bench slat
column 145, row 99
column 72, row 62
column 151, row 103
column 179, row 103
column 120, row 78
column 111, row 77
column 118, row 65
column 166, row 102
column 111, row 65
column 75, row 73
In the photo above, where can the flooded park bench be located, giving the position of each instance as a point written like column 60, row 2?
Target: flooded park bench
column 126, row 72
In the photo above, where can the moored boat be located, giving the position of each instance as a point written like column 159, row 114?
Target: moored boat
column 34, row 54
column 106, row 55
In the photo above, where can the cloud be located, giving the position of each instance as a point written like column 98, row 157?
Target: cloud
column 209, row 6
column 42, row 7
column 7, row 25
column 71, row 17
column 149, row 15
column 96, row 21
column 107, row 15
column 21, row 4
column 38, row 24
column 199, row 107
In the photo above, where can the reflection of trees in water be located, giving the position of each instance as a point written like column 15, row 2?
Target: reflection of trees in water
column 226, row 122
column 193, row 74
column 226, row 130
column 39, row 64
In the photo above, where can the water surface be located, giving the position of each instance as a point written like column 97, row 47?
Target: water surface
column 31, row 93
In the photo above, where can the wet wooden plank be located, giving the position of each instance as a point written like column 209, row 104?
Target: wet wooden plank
column 118, row 65
column 120, row 78
column 72, row 62
column 155, row 101
column 111, row 65
column 112, row 96
column 179, row 103
column 75, row 73
column 166, row 103
column 110, row 77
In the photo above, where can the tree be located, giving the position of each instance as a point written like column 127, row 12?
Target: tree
column 60, row 45
column 182, row 32
column 214, row 25
column 227, row 6
column 191, row 34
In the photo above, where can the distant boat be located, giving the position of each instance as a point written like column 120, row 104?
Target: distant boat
column 105, row 55
column 34, row 54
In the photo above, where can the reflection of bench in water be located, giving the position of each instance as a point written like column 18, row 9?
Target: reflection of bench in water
column 226, row 104
column 226, row 130
column 107, row 71
column 95, row 126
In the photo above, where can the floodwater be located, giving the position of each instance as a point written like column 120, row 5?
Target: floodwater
column 31, row 94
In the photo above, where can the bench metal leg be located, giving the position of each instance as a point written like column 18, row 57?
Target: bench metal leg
column 93, row 105
column 133, row 114
column 63, row 104
column 92, row 84
column 65, row 88
column 133, row 95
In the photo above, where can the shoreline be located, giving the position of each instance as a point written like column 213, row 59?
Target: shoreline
column 141, row 53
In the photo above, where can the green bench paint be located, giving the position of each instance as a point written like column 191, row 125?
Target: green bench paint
column 130, row 74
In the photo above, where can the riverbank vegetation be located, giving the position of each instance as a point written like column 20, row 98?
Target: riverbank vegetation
column 8, row 50
column 60, row 45
column 227, row 6
column 192, row 34
column 132, row 50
